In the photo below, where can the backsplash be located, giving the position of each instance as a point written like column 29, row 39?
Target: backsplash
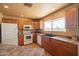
column 71, row 33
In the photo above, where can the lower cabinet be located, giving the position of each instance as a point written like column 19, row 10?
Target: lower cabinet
column 58, row 48
column 46, row 40
column 21, row 40
column 34, row 37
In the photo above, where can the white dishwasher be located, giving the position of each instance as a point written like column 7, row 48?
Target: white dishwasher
column 39, row 39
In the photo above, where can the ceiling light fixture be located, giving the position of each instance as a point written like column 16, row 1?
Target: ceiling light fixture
column 22, row 15
column 28, row 4
column 6, row 7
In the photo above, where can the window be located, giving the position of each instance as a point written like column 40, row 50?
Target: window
column 48, row 25
column 55, row 25
column 59, row 24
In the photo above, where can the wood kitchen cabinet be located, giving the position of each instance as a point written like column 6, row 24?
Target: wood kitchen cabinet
column 72, row 17
column 63, row 48
column 36, row 24
column 58, row 48
column 46, row 44
column 34, row 37
column 0, row 33
column 21, row 40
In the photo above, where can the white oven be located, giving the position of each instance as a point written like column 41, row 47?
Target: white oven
column 27, row 34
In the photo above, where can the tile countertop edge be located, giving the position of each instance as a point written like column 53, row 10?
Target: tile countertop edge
column 63, row 39
column 66, row 40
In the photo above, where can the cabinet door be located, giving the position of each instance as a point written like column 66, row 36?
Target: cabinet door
column 45, row 41
column 36, row 24
column 71, row 17
column 34, row 37
column 60, row 48
column 0, row 33
column 55, row 48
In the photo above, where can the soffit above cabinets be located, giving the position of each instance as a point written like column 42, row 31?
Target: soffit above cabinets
column 34, row 10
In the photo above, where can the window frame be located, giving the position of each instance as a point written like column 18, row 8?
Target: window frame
column 49, row 28
column 57, row 19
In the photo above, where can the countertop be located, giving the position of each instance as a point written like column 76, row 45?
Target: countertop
column 65, row 40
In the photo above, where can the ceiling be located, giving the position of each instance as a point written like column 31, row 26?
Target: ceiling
column 38, row 10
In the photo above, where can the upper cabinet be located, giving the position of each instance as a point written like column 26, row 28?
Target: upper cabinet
column 72, row 17
column 36, row 24
column 1, row 16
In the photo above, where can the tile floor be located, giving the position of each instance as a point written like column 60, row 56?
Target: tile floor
column 27, row 50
